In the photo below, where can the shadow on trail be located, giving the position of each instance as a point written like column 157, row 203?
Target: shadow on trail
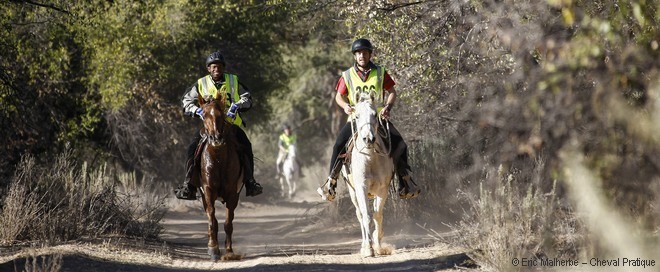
column 85, row 263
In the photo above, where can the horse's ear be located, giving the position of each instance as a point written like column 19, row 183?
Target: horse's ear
column 221, row 95
column 365, row 96
column 218, row 94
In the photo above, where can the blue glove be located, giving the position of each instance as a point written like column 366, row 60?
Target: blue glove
column 200, row 113
column 231, row 113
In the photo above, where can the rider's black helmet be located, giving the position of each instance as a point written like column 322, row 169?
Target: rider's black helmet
column 286, row 126
column 360, row 44
column 215, row 57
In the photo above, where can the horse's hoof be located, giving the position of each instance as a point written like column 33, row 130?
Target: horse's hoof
column 367, row 252
column 215, row 258
column 231, row 257
column 385, row 250
column 214, row 252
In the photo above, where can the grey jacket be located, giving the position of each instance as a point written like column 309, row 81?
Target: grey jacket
column 190, row 102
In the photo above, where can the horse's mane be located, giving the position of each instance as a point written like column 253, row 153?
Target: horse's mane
column 219, row 128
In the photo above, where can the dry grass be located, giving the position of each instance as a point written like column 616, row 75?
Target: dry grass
column 508, row 219
column 43, row 263
column 64, row 201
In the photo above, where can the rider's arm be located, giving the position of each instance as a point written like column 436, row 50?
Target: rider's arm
column 245, row 103
column 391, row 98
column 342, row 101
column 189, row 101
column 391, row 95
column 280, row 145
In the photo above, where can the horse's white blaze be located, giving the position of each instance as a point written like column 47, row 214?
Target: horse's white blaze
column 371, row 172
column 290, row 173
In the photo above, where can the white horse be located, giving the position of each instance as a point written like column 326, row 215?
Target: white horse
column 369, row 176
column 290, row 172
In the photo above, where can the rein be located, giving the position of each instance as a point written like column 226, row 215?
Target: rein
column 379, row 135
column 220, row 136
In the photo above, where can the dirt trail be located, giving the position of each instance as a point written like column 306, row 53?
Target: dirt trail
column 270, row 236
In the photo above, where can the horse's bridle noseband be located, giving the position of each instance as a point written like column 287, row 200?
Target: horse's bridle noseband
column 217, row 138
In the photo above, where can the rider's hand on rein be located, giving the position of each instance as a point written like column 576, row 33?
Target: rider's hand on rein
column 348, row 110
column 385, row 112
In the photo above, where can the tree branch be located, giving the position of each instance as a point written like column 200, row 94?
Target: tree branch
column 393, row 7
column 40, row 5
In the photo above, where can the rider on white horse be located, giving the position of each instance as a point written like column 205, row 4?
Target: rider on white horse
column 364, row 75
column 286, row 139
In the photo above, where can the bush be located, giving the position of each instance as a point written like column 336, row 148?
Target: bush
column 64, row 201
column 512, row 220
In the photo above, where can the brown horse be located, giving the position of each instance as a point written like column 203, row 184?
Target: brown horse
column 221, row 175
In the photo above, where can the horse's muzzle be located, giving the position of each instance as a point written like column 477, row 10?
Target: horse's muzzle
column 370, row 141
column 215, row 141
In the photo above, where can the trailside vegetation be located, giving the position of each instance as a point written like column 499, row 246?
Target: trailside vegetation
column 503, row 101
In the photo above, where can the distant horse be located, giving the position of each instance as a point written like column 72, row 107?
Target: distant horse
column 290, row 173
column 221, row 175
column 369, row 175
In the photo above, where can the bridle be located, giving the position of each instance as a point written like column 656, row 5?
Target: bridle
column 378, row 136
column 215, row 138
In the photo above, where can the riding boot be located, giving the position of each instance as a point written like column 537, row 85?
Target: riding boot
column 252, row 187
column 406, row 187
column 187, row 191
column 328, row 190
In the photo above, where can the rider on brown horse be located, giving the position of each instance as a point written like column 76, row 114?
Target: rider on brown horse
column 239, row 100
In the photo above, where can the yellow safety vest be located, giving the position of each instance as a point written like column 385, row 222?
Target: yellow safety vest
column 206, row 87
column 374, row 84
column 287, row 140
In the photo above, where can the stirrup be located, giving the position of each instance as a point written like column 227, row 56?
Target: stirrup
column 253, row 188
column 328, row 190
column 184, row 192
column 409, row 189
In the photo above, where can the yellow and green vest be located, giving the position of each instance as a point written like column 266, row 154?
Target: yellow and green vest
column 374, row 83
column 287, row 140
column 206, row 87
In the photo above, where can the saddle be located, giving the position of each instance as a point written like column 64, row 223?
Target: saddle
column 194, row 180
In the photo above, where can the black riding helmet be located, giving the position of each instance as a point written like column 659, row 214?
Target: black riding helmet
column 215, row 57
column 360, row 44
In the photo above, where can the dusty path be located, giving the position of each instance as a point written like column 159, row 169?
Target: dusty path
column 270, row 236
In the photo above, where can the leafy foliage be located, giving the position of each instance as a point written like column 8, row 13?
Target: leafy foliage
column 484, row 86
column 88, row 72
